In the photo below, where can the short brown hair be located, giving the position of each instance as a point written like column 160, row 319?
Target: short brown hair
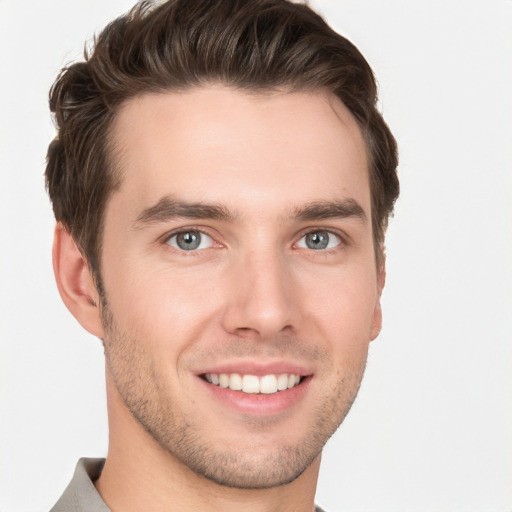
column 257, row 45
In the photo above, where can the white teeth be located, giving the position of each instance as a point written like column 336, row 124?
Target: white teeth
column 250, row 384
column 282, row 382
column 235, row 382
column 267, row 384
column 223, row 380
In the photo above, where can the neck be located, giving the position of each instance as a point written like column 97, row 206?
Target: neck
column 140, row 475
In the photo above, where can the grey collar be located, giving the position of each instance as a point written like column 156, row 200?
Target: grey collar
column 81, row 495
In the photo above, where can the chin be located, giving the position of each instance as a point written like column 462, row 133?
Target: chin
column 245, row 470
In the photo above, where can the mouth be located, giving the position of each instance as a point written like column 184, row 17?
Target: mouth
column 268, row 390
column 253, row 384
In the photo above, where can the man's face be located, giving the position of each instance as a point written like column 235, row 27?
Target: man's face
column 238, row 252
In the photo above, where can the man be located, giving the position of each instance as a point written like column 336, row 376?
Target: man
column 222, row 182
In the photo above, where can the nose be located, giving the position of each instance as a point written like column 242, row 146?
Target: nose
column 259, row 297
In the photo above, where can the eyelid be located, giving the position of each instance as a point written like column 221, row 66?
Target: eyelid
column 185, row 229
column 343, row 238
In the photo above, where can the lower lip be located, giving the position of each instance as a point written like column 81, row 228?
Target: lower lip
column 259, row 404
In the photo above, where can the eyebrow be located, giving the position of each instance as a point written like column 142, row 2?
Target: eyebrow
column 320, row 210
column 168, row 208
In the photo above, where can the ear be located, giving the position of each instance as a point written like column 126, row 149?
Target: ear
column 75, row 282
column 377, row 314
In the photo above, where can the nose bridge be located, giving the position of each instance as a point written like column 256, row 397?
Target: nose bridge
column 261, row 292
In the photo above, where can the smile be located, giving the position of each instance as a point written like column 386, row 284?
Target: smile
column 266, row 384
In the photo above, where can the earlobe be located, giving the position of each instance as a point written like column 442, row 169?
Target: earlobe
column 377, row 314
column 75, row 282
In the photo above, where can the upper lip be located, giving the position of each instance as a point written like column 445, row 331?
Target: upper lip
column 258, row 368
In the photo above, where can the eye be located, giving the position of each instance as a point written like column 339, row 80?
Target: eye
column 319, row 240
column 191, row 240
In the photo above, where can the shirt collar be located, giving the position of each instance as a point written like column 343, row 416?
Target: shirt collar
column 81, row 495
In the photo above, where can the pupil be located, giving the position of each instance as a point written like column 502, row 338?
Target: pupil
column 188, row 241
column 317, row 240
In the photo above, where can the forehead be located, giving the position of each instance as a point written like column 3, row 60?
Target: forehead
column 245, row 150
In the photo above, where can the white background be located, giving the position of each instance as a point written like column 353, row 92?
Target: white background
column 431, row 430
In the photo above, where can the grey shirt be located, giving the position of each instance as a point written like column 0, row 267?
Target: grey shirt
column 81, row 495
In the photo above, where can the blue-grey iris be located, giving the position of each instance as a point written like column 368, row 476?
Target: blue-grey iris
column 189, row 240
column 317, row 240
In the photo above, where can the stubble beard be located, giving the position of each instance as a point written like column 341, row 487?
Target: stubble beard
column 142, row 391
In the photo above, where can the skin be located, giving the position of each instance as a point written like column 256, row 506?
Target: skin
column 253, row 294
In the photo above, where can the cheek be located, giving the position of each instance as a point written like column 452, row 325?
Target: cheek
column 162, row 306
column 344, row 315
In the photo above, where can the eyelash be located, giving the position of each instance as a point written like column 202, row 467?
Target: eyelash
column 343, row 240
column 342, row 237
column 189, row 229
